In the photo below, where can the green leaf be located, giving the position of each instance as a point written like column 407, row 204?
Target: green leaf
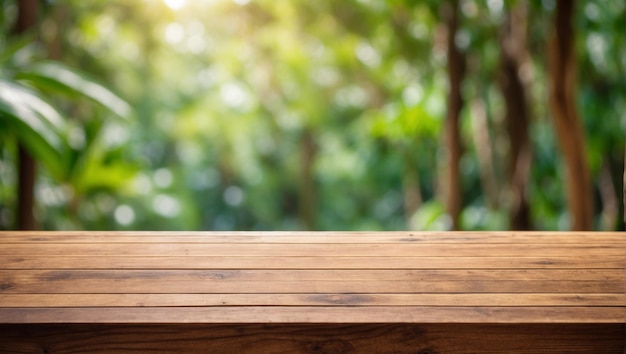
column 95, row 167
column 53, row 75
column 20, row 50
column 430, row 216
column 38, row 125
column 94, row 173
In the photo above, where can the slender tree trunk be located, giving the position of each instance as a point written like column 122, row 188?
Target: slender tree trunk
column 27, row 13
column 608, row 195
column 26, row 20
column 562, row 60
column 411, row 188
column 25, row 189
column 456, row 72
column 54, row 38
column 307, row 190
column 512, row 57
column 482, row 142
column 624, row 176
column 624, row 188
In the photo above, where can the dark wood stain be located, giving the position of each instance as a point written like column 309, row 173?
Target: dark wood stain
column 313, row 338
column 341, row 299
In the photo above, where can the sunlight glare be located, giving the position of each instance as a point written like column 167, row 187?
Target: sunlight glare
column 175, row 4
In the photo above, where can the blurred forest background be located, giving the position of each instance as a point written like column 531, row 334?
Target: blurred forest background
column 312, row 115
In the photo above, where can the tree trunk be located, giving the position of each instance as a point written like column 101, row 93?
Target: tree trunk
column 411, row 188
column 456, row 72
column 624, row 175
column 484, row 151
column 306, row 195
column 624, row 188
column 25, row 190
column 53, row 39
column 26, row 20
column 512, row 57
column 568, row 126
column 608, row 195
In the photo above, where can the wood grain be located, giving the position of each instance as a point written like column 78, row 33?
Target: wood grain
column 193, row 281
column 311, row 299
column 310, row 314
column 312, row 292
column 312, row 250
column 338, row 262
column 302, row 338
column 288, row 275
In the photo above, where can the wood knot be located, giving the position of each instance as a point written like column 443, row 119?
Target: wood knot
column 341, row 299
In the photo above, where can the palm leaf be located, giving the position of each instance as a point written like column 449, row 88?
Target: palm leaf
column 39, row 126
column 55, row 76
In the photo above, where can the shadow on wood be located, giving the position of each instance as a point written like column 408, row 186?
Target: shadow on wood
column 311, row 338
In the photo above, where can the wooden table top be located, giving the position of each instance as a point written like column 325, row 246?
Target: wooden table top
column 312, row 277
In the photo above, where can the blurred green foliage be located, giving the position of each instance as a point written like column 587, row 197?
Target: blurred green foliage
column 220, row 94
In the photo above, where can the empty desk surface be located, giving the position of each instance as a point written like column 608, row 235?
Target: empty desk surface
column 434, row 292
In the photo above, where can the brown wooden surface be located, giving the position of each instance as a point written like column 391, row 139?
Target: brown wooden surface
column 331, row 314
column 311, row 250
column 309, row 299
column 247, row 277
column 302, row 338
column 293, row 262
column 410, row 291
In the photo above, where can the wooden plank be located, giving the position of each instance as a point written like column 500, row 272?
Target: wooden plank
column 302, row 338
column 40, row 237
column 311, row 299
column 311, row 314
column 312, row 250
column 303, row 281
column 129, row 285
column 338, row 262
column 286, row 275
column 277, row 277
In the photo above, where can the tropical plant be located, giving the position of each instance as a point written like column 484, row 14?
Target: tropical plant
column 34, row 114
